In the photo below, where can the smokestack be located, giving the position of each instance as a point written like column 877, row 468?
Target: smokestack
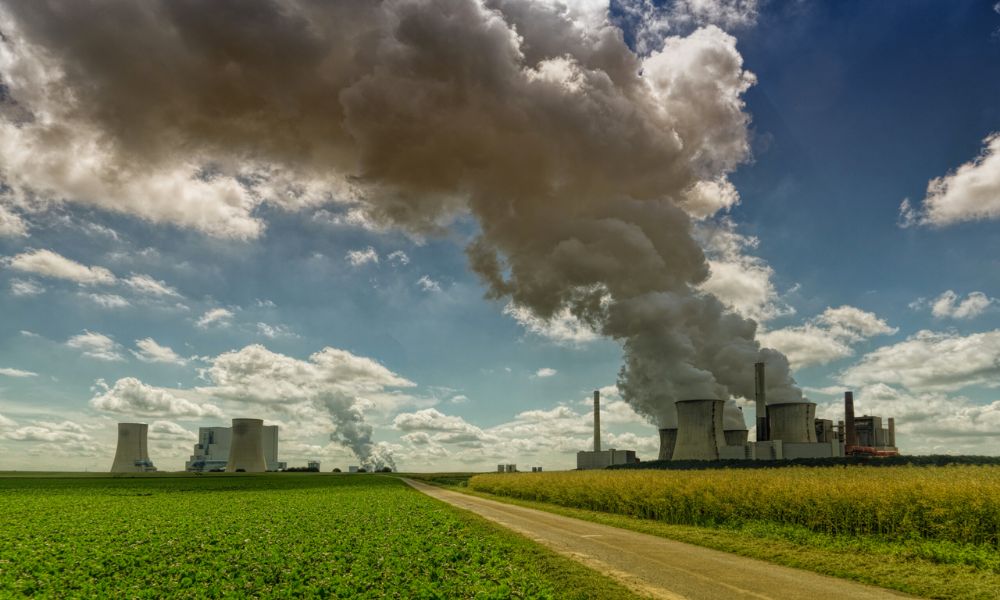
column 246, row 448
column 132, row 455
column 892, row 433
column 758, row 388
column 851, row 437
column 597, row 420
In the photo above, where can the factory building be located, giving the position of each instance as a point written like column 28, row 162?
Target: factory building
column 599, row 459
column 785, row 431
column 211, row 452
column 132, row 453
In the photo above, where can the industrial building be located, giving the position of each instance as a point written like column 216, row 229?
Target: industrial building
column 211, row 452
column 599, row 459
column 785, row 431
column 132, row 453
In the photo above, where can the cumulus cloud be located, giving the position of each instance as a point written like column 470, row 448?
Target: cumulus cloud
column 25, row 287
column 218, row 317
column 144, row 284
column 827, row 337
column 969, row 193
column 168, row 430
column 654, row 21
column 949, row 305
column 107, row 300
column 6, row 423
column 152, row 352
column 274, row 331
column 50, row 264
column 398, row 257
column 334, row 385
column 96, row 345
column 428, row 285
column 11, row 223
column 929, row 360
column 362, row 256
column 129, row 396
column 8, row 372
column 65, row 434
column 545, row 372
column 561, row 328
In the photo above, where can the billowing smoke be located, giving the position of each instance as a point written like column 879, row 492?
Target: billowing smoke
column 583, row 163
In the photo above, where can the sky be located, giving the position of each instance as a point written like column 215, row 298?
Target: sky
column 421, row 233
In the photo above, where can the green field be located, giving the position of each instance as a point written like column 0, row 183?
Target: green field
column 930, row 531
column 279, row 535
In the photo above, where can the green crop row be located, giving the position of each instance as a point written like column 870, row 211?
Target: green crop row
column 958, row 504
column 254, row 536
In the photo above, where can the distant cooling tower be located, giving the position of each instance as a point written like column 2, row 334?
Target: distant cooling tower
column 668, row 439
column 246, row 449
column 699, row 430
column 794, row 422
column 132, row 455
column 736, row 437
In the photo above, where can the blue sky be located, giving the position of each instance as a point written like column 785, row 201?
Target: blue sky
column 119, row 308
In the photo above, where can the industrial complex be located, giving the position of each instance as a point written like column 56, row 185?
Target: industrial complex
column 785, row 431
column 248, row 446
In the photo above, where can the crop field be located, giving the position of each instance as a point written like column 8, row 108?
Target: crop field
column 279, row 535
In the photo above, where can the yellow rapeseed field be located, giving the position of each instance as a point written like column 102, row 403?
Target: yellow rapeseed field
column 955, row 503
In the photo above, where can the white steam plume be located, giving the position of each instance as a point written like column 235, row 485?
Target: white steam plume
column 576, row 156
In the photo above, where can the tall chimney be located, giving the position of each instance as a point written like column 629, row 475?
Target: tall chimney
column 851, row 437
column 597, row 420
column 892, row 433
column 758, row 388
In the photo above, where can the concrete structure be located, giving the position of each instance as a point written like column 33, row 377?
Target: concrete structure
column 604, row 459
column 794, row 422
column 313, row 465
column 501, row 469
column 736, row 437
column 246, row 447
column 699, row 430
column 824, row 431
column 668, row 439
column 211, row 452
column 850, row 435
column 761, row 401
column 536, row 469
column 597, row 420
column 132, row 454
column 892, row 432
column 769, row 450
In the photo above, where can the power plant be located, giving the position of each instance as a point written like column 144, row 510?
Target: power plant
column 599, row 459
column 132, row 454
column 211, row 452
column 784, row 431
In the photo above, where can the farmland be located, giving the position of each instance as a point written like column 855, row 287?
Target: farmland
column 268, row 535
column 927, row 530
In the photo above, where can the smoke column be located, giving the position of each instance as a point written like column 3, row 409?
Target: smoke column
column 583, row 163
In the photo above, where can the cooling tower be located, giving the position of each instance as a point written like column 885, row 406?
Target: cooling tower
column 794, row 422
column 736, row 437
column 699, row 430
column 668, row 439
column 132, row 455
column 246, row 448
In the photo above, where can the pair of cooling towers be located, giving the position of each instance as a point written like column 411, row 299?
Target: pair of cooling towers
column 246, row 448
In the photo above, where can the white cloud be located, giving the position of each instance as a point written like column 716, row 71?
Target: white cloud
column 151, row 352
column 361, row 257
column 11, row 223
column 545, row 372
column 930, row 360
column 107, row 300
column 428, row 285
column 66, row 434
column 740, row 281
column 215, row 316
column 168, row 430
column 459, row 399
column 827, row 337
column 16, row 372
column 398, row 258
column 144, row 284
column 129, row 396
column 653, row 21
column 351, row 216
column 49, row 264
column 25, row 287
column 6, row 423
column 562, row 328
column 706, row 198
column 948, row 305
column 274, row 331
column 969, row 193
column 96, row 345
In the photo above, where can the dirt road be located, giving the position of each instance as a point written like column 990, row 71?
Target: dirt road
column 656, row 566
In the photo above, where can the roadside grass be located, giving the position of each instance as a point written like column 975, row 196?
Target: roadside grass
column 269, row 535
column 920, row 568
